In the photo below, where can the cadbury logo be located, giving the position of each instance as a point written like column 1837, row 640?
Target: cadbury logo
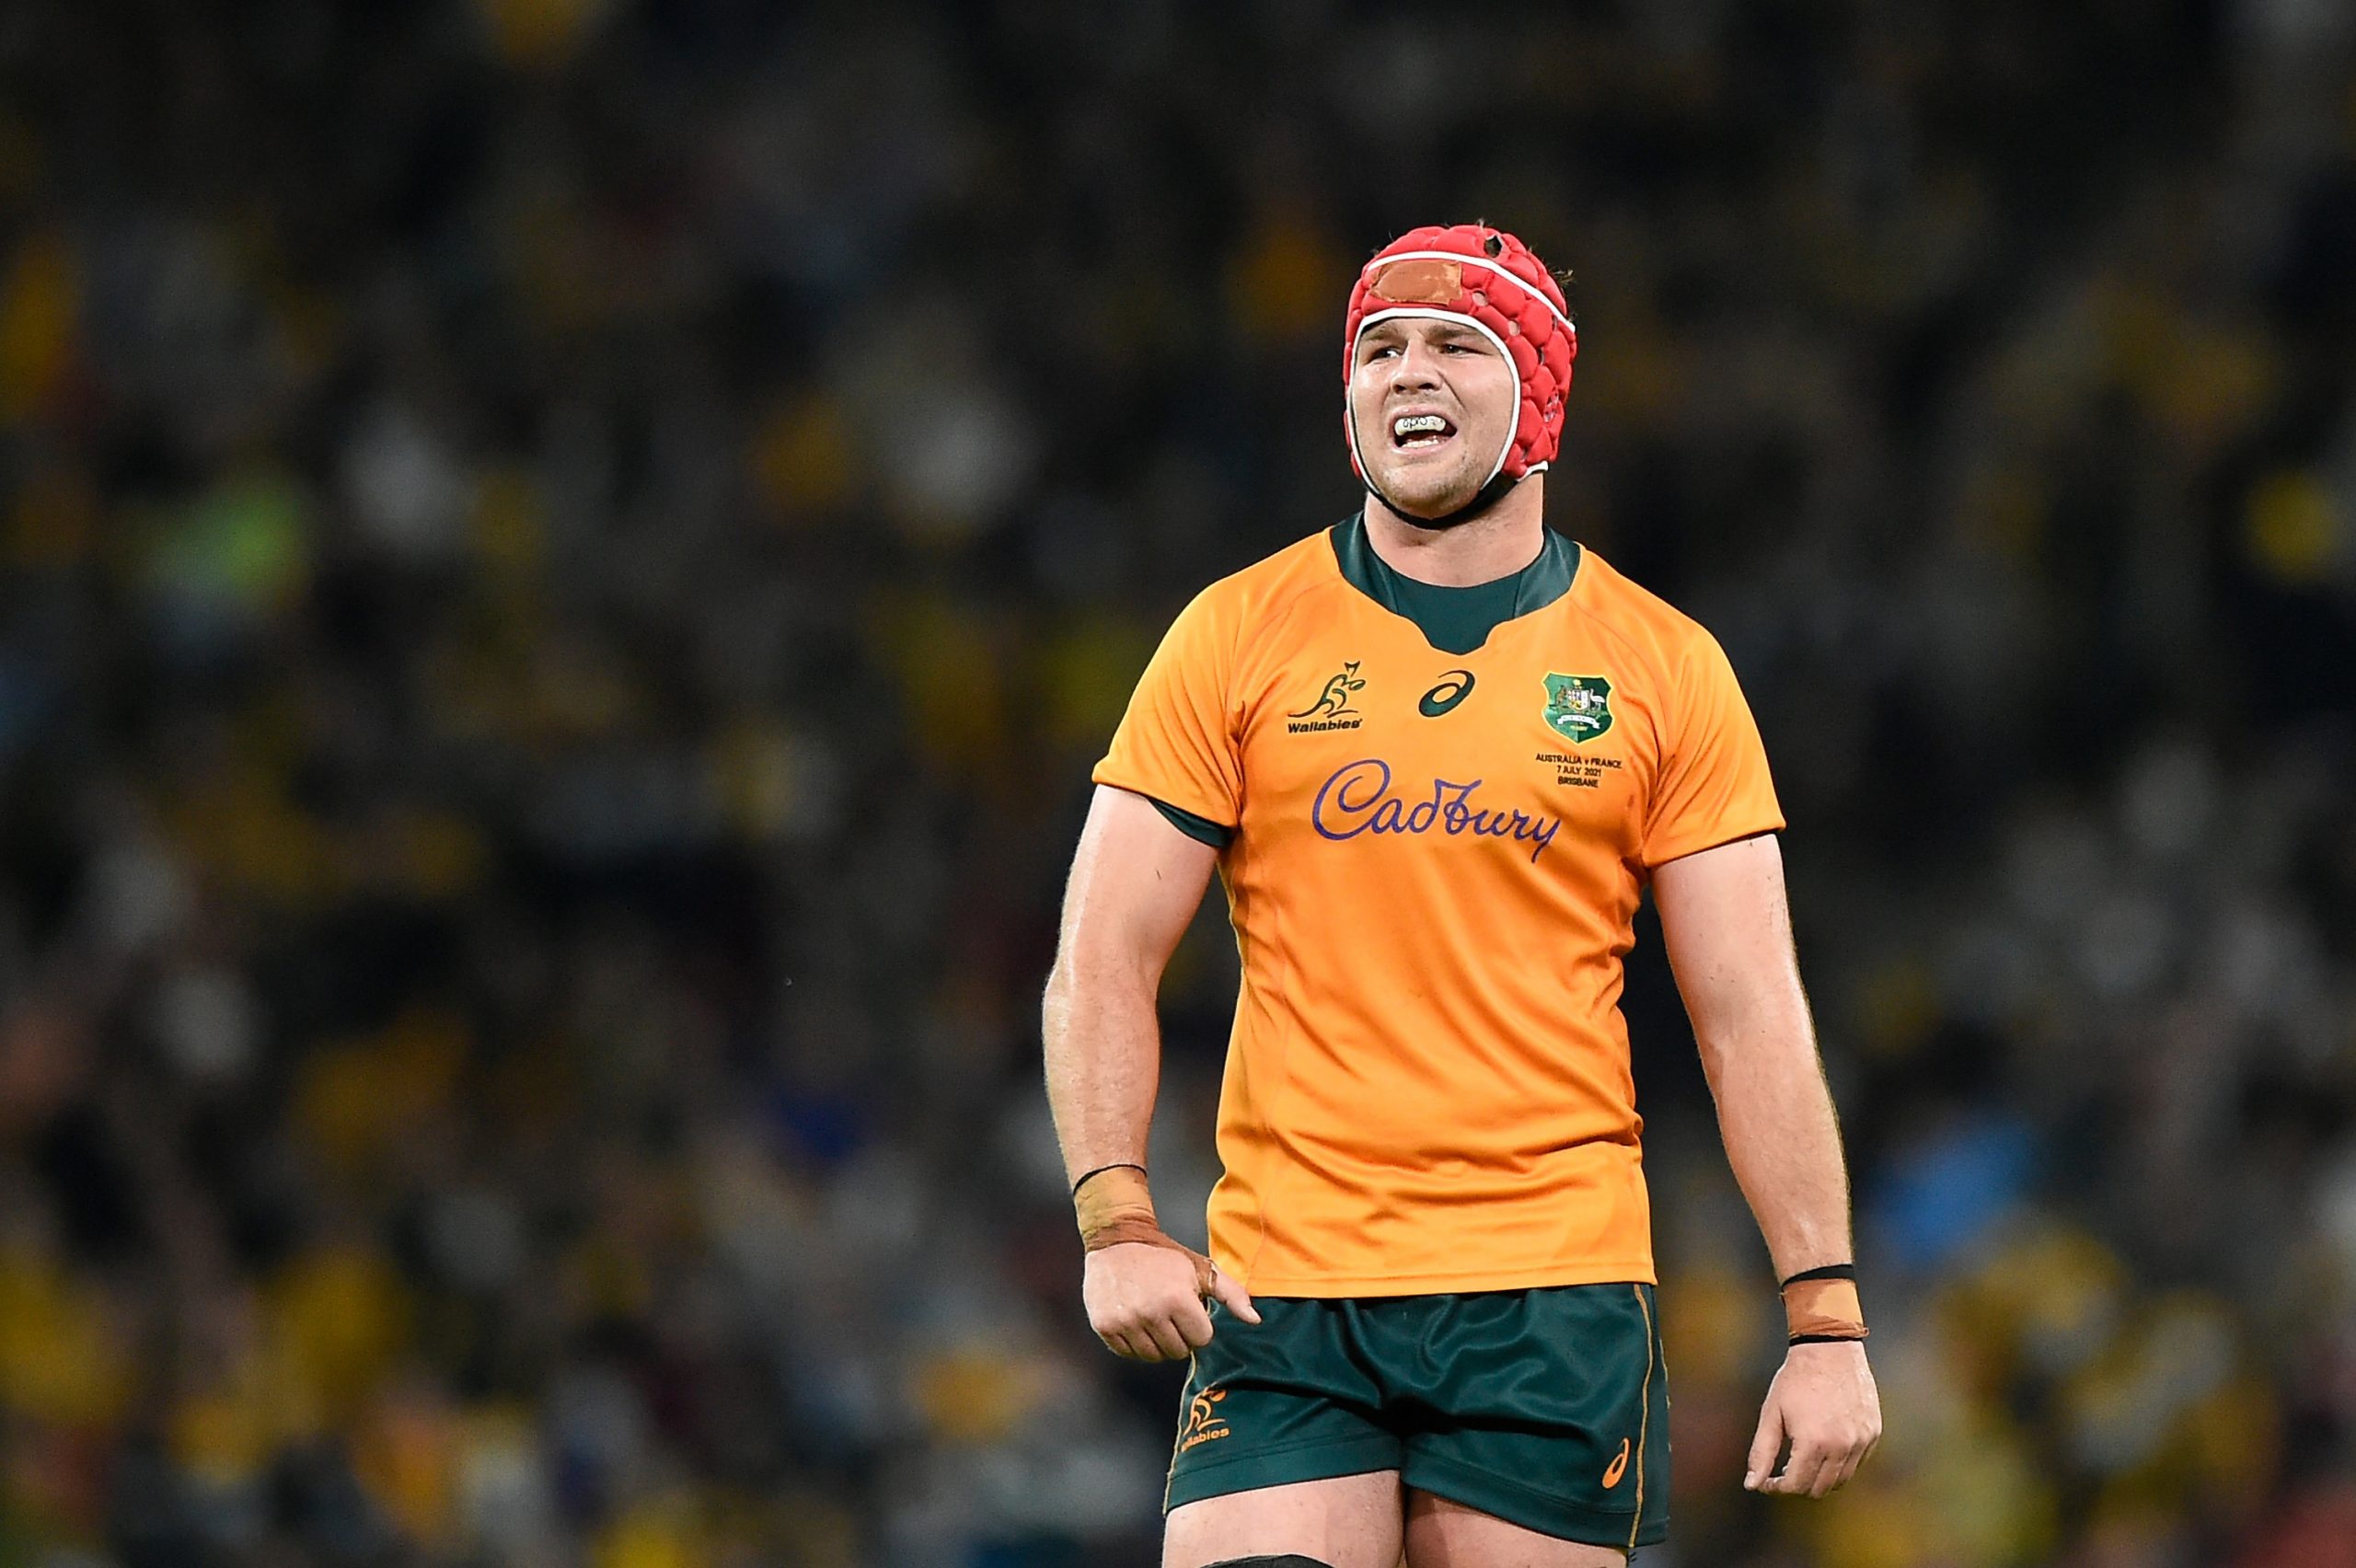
column 1357, row 799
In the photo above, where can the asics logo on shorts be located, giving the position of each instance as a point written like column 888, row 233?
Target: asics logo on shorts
column 1618, row 1467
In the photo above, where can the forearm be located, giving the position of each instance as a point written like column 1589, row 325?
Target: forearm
column 1783, row 1141
column 1103, row 1062
column 1729, row 935
column 1784, row 1144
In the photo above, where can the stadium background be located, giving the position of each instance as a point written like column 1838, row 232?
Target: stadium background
column 565, row 565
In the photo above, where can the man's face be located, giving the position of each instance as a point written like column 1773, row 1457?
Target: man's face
column 1432, row 402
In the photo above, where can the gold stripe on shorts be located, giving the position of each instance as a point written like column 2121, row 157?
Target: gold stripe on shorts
column 1644, row 1420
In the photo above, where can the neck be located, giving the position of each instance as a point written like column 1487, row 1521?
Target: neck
column 1498, row 543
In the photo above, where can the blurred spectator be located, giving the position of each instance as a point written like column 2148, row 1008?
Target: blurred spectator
column 565, row 562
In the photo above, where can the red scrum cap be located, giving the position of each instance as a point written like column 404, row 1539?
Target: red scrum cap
column 1490, row 282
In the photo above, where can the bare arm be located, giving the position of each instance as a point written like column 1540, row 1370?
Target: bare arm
column 1729, row 935
column 1728, row 930
column 1134, row 885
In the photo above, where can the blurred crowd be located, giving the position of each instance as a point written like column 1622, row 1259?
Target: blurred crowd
column 563, row 564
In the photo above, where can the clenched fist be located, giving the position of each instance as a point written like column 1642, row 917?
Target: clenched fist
column 1824, row 1404
column 1149, row 1302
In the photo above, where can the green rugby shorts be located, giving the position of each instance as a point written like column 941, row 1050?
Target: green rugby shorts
column 1548, row 1409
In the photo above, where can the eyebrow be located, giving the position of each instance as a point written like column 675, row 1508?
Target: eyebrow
column 1393, row 331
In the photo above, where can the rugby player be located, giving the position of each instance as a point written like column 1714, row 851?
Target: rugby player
column 1436, row 753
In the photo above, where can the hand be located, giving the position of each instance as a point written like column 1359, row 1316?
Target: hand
column 1825, row 1404
column 1142, row 1303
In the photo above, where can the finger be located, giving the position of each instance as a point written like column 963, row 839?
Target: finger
column 1168, row 1341
column 1843, row 1469
column 1233, row 1297
column 1118, row 1342
column 1759, row 1467
column 1802, row 1470
column 1865, row 1449
column 1193, row 1325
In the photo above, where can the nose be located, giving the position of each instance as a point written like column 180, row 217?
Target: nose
column 1416, row 368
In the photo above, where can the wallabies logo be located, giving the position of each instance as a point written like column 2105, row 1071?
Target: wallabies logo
column 1203, row 1422
column 1333, row 710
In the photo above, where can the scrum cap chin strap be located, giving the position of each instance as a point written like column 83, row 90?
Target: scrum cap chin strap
column 1487, row 496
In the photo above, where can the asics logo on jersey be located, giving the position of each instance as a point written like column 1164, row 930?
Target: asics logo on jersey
column 1450, row 689
column 1357, row 799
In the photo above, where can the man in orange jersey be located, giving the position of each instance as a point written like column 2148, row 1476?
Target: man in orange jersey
column 1435, row 753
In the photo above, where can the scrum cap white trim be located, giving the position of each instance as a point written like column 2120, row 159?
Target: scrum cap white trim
column 1428, row 313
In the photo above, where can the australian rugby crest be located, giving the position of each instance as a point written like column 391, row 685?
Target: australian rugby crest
column 1579, row 707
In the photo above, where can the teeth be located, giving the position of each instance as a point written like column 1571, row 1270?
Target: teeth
column 1419, row 424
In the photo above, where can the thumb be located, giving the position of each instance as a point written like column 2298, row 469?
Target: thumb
column 1232, row 1296
column 1765, row 1446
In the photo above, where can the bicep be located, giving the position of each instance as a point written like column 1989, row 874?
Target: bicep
column 1135, row 883
column 1727, row 926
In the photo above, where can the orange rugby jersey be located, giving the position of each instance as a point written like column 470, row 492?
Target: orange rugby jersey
column 1434, row 866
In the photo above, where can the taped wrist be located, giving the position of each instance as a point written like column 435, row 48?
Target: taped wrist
column 1114, row 1208
column 1820, row 1306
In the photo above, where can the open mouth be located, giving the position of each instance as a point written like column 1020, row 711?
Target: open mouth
column 1420, row 432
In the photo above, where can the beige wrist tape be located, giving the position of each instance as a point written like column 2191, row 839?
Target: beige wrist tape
column 1824, row 1308
column 1114, row 1207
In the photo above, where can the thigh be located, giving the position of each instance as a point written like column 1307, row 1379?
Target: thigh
column 1547, row 1410
column 1446, row 1534
column 1349, row 1521
column 1271, row 1404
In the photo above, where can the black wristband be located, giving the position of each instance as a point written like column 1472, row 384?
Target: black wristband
column 1116, row 1165
column 1826, row 1339
column 1830, row 1270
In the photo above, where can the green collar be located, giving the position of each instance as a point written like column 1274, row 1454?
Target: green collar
column 1455, row 620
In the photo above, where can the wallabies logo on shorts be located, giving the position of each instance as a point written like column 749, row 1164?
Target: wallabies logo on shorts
column 1203, row 1424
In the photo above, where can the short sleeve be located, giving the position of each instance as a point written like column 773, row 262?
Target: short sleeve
column 1714, row 786
column 1177, row 742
